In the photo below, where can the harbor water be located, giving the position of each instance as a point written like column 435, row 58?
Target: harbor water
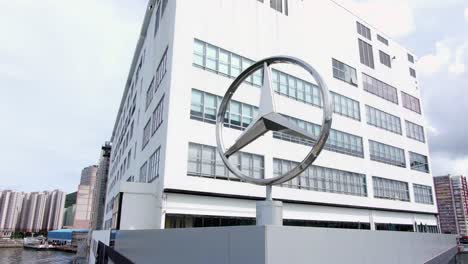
column 30, row 256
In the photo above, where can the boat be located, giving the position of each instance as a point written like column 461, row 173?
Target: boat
column 38, row 243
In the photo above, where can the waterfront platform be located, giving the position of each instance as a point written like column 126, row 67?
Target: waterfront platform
column 11, row 243
column 274, row 245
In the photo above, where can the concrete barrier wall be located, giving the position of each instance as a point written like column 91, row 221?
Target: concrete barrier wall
column 293, row 245
column 96, row 236
column 275, row 245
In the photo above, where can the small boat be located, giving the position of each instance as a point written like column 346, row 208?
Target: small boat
column 39, row 243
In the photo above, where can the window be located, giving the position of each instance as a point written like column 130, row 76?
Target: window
column 412, row 72
column 230, row 64
column 383, row 120
column 344, row 72
column 131, row 130
column 278, row 6
column 422, row 194
column 390, row 189
column 156, row 20
column 164, row 5
column 157, row 117
column 199, row 53
column 387, row 154
column 382, row 39
column 322, row 179
column 153, row 165
column 366, row 54
column 363, row 31
column 211, row 61
column 345, row 106
column 161, row 70
column 415, row 131
column 295, row 88
column 149, row 93
column 380, row 88
column 223, row 62
column 129, row 158
column 427, row 228
column 204, row 161
column 300, row 90
column 411, row 102
column 338, row 141
column 394, row 227
column 410, row 58
column 143, row 172
column 146, row 133
column 204, row 107
column 385, row 59
column 419, row 162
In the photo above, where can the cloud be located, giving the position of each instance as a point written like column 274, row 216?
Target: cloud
column 458, row 67
column 443, row 164
column 433, row 63
column 449, row 56
column 466, row 14
column 63, row 68
column 382, row 14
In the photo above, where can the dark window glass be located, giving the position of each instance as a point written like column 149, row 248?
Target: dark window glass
column 385, row 59
column 419, row 162
column 412, row 72
column 277, row 5
column 366, row 54
column 382, row 39
column 363, row 31
column 394, row 227
column 344, row 72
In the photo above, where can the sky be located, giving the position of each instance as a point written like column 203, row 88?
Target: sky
column 63, row 66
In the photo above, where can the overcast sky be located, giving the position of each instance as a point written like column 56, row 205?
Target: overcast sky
column 63, row 65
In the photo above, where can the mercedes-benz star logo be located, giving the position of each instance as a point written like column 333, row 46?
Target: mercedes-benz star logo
column 269, row 120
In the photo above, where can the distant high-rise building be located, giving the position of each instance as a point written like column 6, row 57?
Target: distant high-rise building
column 84, row 197
column 70, row 199
column 69, row 216
column 53, row 213
column 30, row 212
column 97, row 213
column 10, row 208
column 452, row 202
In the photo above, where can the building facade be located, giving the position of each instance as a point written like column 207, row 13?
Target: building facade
column 452, row 202
column 97, row 213
column 165, row 171
column 84, row 198
column 10, row 211
column 69, row 216
column 31, row 212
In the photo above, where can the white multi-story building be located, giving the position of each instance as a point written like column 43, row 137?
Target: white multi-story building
column 165, row 172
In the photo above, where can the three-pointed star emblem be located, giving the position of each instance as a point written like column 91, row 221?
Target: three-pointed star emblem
column 268, row 119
